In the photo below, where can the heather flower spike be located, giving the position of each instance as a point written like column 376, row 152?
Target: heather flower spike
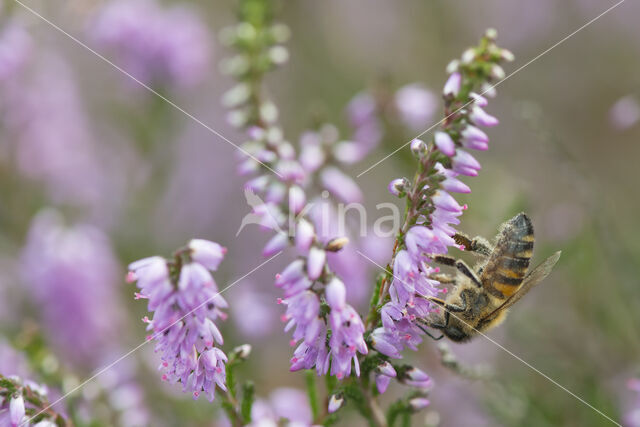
column 186, row 303
column 433, row 212
column 327, row 340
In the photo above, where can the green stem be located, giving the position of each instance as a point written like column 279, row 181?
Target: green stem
column 312, row 393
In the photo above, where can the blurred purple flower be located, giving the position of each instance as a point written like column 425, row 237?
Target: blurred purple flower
column 46, row 124
column 72, row 274
column 123, row 392
column 15, row 49
column 362, row 113
column 416, row 105
column 12, row 362
column 165, row 46
column 283, row 404
column 253, row 311
column 184, row 314
column 625, row 113
column 632, row 417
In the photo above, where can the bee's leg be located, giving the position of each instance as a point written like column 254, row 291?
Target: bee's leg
column 449, row 307
column 459, row 264
column 478, row 245
column 429, row 333
column 443, row 278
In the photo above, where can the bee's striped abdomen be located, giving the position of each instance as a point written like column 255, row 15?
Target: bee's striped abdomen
column 505, row 270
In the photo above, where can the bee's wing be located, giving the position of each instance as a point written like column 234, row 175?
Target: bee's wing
column 533, row 278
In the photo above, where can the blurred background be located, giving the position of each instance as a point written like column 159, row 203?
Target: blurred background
column 96, row 172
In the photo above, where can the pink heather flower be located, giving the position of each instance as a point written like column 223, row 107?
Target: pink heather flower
column 312, row 156
column 297, row 199
column 305, row 234
column 183, row 321
column 387, row 342
column 307, row 356
column 293, row 279
column 316, row 262
column 481, row 117
column 167, row 46
column 303, row 310
column 16, row 410
column 276, row 244
column 452, row 86
column 383, row 375
column 416, row 105
column 340, row 185
column 421, row 239
column 72, row 275
column 290, row 170
column 465, row 164
column 417, row 378
column 443, row 200
column 347, row 338
column 451, row 183
column 479, row 100
column 258, row 184
column 15, row 49
column 335, row 402
column 418, row 403
column 207, row 253
column 336, row 294
column 474, row 138
column 445, row 144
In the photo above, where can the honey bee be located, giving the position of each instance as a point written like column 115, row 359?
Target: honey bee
column 482, row 296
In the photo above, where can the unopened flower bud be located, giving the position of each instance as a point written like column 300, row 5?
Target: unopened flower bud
column 242, row 352
column 16, row 410
column 335, row 402
column 468, row 56
column 418, row 147
column 452, row 86
column 445, row 143
column 506, row 55
column 418, row 403
column 268, row 112
column 336, row 244
column 416, row 378
column 278, row 55
column 385, row 368
column 452, row 66
column 398, row 187
column 497, row 72
column 336, row 294
column 491, row 34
